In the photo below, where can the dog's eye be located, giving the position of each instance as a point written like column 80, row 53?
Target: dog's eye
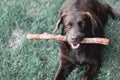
column 69, row 25
column 80, row 24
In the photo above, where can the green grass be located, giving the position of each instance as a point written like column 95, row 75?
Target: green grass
column 22, row 59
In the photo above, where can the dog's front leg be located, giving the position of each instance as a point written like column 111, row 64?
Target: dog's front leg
column 63, row 72
column 92, row 69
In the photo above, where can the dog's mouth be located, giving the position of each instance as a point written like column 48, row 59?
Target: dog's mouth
column 74, row 44
column 74, row 41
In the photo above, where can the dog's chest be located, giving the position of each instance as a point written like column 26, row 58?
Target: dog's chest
column 77, row 57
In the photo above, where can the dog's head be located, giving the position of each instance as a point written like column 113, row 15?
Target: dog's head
column 77, row 26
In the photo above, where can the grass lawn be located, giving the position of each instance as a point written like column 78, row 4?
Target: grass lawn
column 22, row 59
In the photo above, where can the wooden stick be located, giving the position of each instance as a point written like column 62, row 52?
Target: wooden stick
column 103, row 41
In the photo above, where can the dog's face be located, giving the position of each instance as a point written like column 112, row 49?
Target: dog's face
column 77, row 26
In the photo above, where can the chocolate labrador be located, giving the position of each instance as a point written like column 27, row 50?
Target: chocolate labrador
column 80, row 19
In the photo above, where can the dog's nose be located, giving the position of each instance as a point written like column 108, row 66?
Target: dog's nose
column 74, row 38
column 77, row 37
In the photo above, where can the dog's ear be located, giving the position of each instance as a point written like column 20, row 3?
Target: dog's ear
column 94, row 23
column 97, row 26
column 59, row 22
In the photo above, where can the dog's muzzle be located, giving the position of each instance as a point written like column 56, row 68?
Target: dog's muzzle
column 74, row 40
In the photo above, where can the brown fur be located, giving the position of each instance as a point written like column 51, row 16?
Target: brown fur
column 80, row 19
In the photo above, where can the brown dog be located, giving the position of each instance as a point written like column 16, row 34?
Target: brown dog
column 80, row 19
